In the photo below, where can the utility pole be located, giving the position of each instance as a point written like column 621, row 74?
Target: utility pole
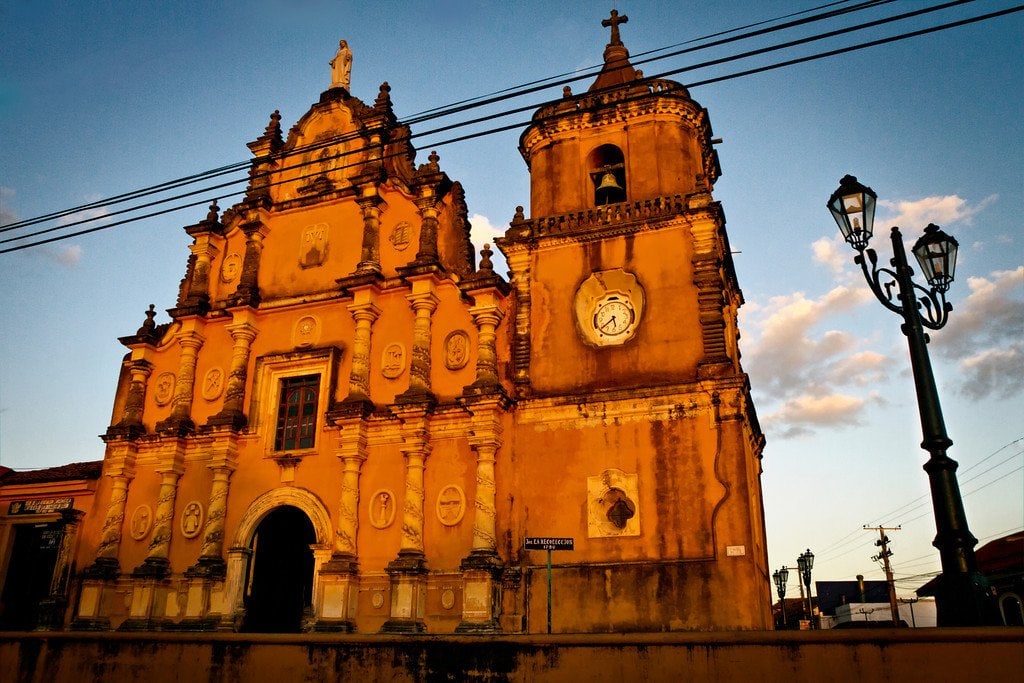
column 884, row 554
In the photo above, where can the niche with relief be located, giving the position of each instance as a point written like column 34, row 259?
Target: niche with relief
column 613, row 507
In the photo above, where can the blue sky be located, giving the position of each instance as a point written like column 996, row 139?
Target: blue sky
column 103, row 98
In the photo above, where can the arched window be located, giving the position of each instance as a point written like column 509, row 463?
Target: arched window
column 608, row 174
column 1012, row 610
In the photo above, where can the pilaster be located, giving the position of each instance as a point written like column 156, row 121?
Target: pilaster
column 243, row 333
column 179, row 422
column 408, row 571
column 424, row 302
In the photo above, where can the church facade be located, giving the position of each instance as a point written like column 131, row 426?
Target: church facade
column 351, row 424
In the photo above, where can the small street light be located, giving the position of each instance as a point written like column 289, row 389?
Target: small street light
column 963, row 598
column 780, row 577
column 805, row 563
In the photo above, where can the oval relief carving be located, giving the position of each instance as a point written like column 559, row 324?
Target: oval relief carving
column 192, row 519
column 447, row 598
column 382, row 509
column 231, row 267
column 141, row 522
column 392, row 361
column 164, row 388
column 213, row 384
column 451, row 505
column 401, row 236
column 456, row 350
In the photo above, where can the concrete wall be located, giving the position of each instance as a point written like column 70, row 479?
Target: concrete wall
column 987, row 654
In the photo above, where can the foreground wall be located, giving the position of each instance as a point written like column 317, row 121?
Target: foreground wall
column 869, row 655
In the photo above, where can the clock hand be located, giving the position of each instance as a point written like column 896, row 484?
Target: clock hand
column 610, row 321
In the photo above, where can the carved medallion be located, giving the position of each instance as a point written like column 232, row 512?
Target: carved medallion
column 163, row 391
column 382, row 509
column 306, row 332
column 392, row 361
column 456, row 350
column 447, row 598
column 377, row 600
column 231, row 267
column 451, row 505
column 213, row 384
column 141, row 522
column 401, row 236
column 192, row 519
column 313, row 246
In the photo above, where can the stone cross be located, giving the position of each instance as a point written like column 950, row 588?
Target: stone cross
column 614, row 20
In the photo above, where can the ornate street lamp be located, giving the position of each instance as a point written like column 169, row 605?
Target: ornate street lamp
column 962, row 597
column 805, row 563
column 780, row 577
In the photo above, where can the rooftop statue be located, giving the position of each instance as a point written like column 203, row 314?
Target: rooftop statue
column 341, row 66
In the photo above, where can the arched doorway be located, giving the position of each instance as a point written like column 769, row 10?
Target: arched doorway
column 280, row 587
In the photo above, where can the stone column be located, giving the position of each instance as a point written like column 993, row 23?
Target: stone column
column 519, row 264
column 157, row 563
column 408, row 571
column 427, row 252
column 210, row 569
column 365, row 312
column 481, row 570
column 339, row 575
column 424, row 302
column 98, row 578
column 121, row 470
column 243, row 333
column 135, row 403
column 180, row 419
column 198, row 296
column 487, row 317
column 248, row 291
column 370, row 203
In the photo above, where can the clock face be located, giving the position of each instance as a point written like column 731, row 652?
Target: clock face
column 613, row 317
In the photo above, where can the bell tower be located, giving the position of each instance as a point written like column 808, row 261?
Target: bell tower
column 631, row 403
column 623, row 270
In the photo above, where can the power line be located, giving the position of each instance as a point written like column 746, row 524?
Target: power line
column 533, row 106
column 459, row 107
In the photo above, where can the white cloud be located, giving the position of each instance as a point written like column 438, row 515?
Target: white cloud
column 69, row 255
column 96, row 214
column 801, row 415
column 942, row 210
column 985, row 336
column 834, row 253
column 483, row 231
column 798, row 370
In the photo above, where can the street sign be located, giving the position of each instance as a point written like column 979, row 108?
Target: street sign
column 546, row 543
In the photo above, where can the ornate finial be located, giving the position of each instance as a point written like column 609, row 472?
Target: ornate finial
column 341, row 66
column 639, row 75
column 519, row 217
column 274, row 127
column 566, row 92
column 485, row 258
column 433, row 159
column 384, row 96
column 613, row 21
column 149, row 325
column 214, row 212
